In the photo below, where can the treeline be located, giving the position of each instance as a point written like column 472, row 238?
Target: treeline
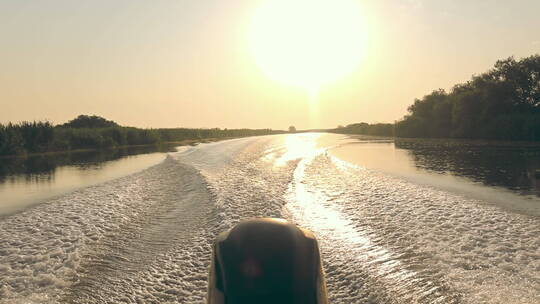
column 503, row 103
column 379, row 129
column 93, row 132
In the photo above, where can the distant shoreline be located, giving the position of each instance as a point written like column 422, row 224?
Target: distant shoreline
column 92, row 133
column 501, row 142
column 186, row 142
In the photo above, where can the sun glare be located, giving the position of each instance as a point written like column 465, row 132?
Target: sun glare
column 307, row 43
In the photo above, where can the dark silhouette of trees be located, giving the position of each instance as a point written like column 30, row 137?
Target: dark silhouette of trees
column 94, row 132
column 25, row 136
column 503, row 103
column 379, row 129
column 292, row 129
column 86, row 121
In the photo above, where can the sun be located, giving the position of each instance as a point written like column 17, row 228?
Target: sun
column 308, row 43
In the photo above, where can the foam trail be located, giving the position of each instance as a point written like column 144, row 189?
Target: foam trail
column 340, row 238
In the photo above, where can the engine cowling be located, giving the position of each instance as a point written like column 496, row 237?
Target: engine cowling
column 266, row 260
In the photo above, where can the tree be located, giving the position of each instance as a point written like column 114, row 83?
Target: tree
column 502, row 103
column 85, row 121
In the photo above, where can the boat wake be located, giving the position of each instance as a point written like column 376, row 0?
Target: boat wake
column 145, row 238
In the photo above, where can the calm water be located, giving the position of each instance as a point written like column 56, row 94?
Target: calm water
column 497, row 172
column 28, row 181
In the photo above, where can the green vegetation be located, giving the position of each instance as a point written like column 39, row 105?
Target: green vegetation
column 380, row 129
column 93, row 132
column 26, row 136
column 503, row 103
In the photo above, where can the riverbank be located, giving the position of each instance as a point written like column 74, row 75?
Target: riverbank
column 186, row 142
column 90, row 133
column 440, row 140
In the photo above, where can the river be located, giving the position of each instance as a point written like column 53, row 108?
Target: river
column 400, row 221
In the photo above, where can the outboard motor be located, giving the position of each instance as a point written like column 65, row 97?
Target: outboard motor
column 266, row 261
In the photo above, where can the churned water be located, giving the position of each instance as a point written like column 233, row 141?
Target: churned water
column 385, row 238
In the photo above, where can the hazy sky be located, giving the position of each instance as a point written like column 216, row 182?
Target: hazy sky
column 188, row 63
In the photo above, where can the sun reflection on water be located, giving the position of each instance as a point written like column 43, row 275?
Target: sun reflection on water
column 315, row 209
column 297, row 146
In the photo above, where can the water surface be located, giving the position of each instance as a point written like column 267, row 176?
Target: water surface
column 389, row 233
column 502, row 173
column 31, row 180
